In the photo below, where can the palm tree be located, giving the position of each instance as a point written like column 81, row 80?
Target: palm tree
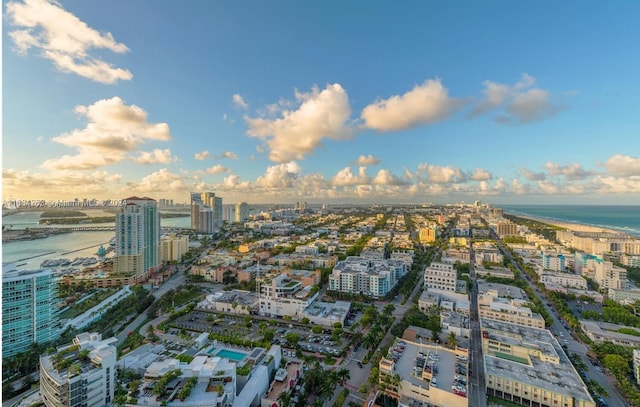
column 343, row 375
column 368, row 340
column 452, row 340
column 285, row 399
column 394, row 382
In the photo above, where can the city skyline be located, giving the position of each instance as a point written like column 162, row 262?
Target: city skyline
column 324, row 103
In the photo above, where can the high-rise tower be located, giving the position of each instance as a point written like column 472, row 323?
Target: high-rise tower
column 206, row 212
column 29, row 309
column 137, row 237
column 242, row 212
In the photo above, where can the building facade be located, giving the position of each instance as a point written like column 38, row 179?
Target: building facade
column 242, row 212
column 173, row 247
column 206, row 212
column 137, row 249
column 440, row 276
column 82, row 374
column 30, row 307
column 370, row 277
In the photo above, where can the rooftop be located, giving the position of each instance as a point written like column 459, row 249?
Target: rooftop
column 545, row 365
column 412, row 362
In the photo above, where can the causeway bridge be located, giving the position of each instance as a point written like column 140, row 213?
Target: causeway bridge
column 88, row 228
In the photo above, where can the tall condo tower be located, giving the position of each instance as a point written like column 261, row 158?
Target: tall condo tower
column 137, row 237
column 242, row 212
column 206, row 212
column 29, row 309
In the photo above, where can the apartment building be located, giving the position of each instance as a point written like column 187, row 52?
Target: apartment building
column 206, row 212
column 623, row 296
column 367, row 276
column 563, row 279
column 137, row 248
column 598, row 243
column 173, row 247
column 428, row 234
column 80, row 374
column 528, row 366
column 554, row 261
column 506, row 228
column 609, row 276
column 281, row 295
column 508, row 310
column 440, row 276
column 30, row 308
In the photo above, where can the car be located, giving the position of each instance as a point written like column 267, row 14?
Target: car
column 434, row 382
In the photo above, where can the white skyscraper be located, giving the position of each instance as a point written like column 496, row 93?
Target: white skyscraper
column 137, row 250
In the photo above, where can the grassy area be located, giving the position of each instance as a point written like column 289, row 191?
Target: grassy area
column 95, row 299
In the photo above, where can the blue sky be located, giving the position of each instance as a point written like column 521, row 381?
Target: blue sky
column 499, row 101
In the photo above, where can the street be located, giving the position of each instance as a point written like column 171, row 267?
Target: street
column 574, row 346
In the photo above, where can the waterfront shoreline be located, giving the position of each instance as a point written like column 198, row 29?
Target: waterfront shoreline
column 576, row 227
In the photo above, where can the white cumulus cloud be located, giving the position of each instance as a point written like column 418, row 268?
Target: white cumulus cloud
column 346, row 177
column 64, row 39
column 385, row 177
column 279, row 176
column 623, row 165
column 113, row 129
column 229, row 154
column 156, row 156
column 441, row 174
column 424, row 104
column 570, row 171
column 216, row 169
column 202, row 155
column 160, row 182
column 481, row 175
column 320, row 114
column 368, row 160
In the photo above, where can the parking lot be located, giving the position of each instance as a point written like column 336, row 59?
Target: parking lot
column 253, row 330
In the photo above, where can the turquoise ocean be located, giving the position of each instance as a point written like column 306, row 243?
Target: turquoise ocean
column 621, row 218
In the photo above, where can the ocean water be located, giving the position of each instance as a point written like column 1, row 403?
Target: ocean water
column 622, row 218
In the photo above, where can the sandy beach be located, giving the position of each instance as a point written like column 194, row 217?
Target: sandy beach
column 576, row 227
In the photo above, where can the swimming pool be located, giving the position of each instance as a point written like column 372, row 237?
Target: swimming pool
column 231, row 354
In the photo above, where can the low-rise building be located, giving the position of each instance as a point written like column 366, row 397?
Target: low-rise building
column 423, row 373
column 599, row 331
column 500, row 272
column 80, row 374
column 281, row 295
column 628, row 296
column 284, row 381
column 563, row 279
column 326, row 313
column 528, row 366
column 508, row 310
column 440, row 276
column 234, row 301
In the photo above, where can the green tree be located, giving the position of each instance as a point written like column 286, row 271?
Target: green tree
column 292, row 339
column 452, row 340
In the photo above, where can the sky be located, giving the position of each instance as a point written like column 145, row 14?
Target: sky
column 530, row 102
